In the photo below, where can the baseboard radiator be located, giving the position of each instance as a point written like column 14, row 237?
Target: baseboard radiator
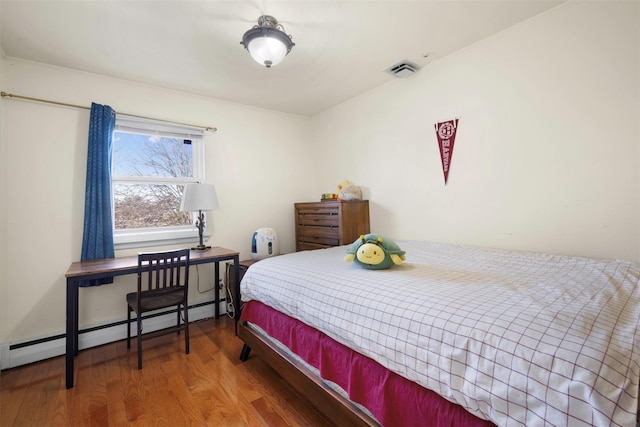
column 22, row 353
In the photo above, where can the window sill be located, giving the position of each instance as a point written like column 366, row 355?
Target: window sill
column 133, row 239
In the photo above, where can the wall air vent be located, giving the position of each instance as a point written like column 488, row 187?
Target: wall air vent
column 402, row 69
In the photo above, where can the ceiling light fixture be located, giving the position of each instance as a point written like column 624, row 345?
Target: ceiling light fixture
column 267, row 42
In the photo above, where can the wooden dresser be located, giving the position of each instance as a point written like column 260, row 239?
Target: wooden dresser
column 333, row 223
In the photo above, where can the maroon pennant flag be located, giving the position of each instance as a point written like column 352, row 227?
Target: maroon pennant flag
column 446, row 133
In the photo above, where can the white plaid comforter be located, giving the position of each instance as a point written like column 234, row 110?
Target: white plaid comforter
column 515, row 338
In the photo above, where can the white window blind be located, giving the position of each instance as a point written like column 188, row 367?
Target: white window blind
column 143, row 126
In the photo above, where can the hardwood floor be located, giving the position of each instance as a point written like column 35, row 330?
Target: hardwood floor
column 210, row 386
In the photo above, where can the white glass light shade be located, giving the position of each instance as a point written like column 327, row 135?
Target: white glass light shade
column 199, row 197
column 267, row 51
column 267, row 43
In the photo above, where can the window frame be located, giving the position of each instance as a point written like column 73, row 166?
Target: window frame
column 168, row 235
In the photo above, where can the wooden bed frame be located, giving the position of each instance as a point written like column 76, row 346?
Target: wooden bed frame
column 303, row 380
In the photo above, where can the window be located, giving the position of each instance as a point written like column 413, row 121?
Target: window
column 152, row 162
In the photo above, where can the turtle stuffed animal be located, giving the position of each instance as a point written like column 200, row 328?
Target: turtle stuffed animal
column 375, row 252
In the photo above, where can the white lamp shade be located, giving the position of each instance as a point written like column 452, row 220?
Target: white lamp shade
column 267, row 50
column 199, row 197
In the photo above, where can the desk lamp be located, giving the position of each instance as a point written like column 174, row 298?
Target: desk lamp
column 199, row 197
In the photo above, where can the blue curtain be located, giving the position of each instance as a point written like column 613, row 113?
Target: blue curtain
column 97, row 238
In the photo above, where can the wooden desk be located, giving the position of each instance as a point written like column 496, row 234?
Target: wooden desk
column 85, row 270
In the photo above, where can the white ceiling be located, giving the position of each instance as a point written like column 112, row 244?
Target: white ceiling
column 342, row 47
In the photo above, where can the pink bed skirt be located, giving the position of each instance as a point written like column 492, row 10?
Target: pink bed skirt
column 392, row 399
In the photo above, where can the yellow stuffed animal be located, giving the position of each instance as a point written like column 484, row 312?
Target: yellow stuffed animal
column 348, row 191
column 375, row 252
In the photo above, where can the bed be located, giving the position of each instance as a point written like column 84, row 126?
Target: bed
column 456, row 335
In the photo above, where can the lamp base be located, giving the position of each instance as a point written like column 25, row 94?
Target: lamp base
column 201, row 248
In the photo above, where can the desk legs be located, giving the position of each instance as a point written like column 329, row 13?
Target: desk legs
column 236, row 302
column 72, row 328
column 216, row 292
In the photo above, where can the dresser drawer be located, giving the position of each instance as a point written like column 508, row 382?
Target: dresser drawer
column 320, row 216
column 318, row 231
column 316, row 235
column 309, row 246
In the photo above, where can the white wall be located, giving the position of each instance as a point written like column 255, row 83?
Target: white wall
column 547, row 155
column 253, row 160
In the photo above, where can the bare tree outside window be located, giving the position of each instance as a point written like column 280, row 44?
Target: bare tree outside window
column 148, row 188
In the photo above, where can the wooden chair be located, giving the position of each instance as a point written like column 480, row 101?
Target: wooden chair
column 163, row 279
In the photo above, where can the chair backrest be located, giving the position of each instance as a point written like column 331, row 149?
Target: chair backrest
column 166, row 270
